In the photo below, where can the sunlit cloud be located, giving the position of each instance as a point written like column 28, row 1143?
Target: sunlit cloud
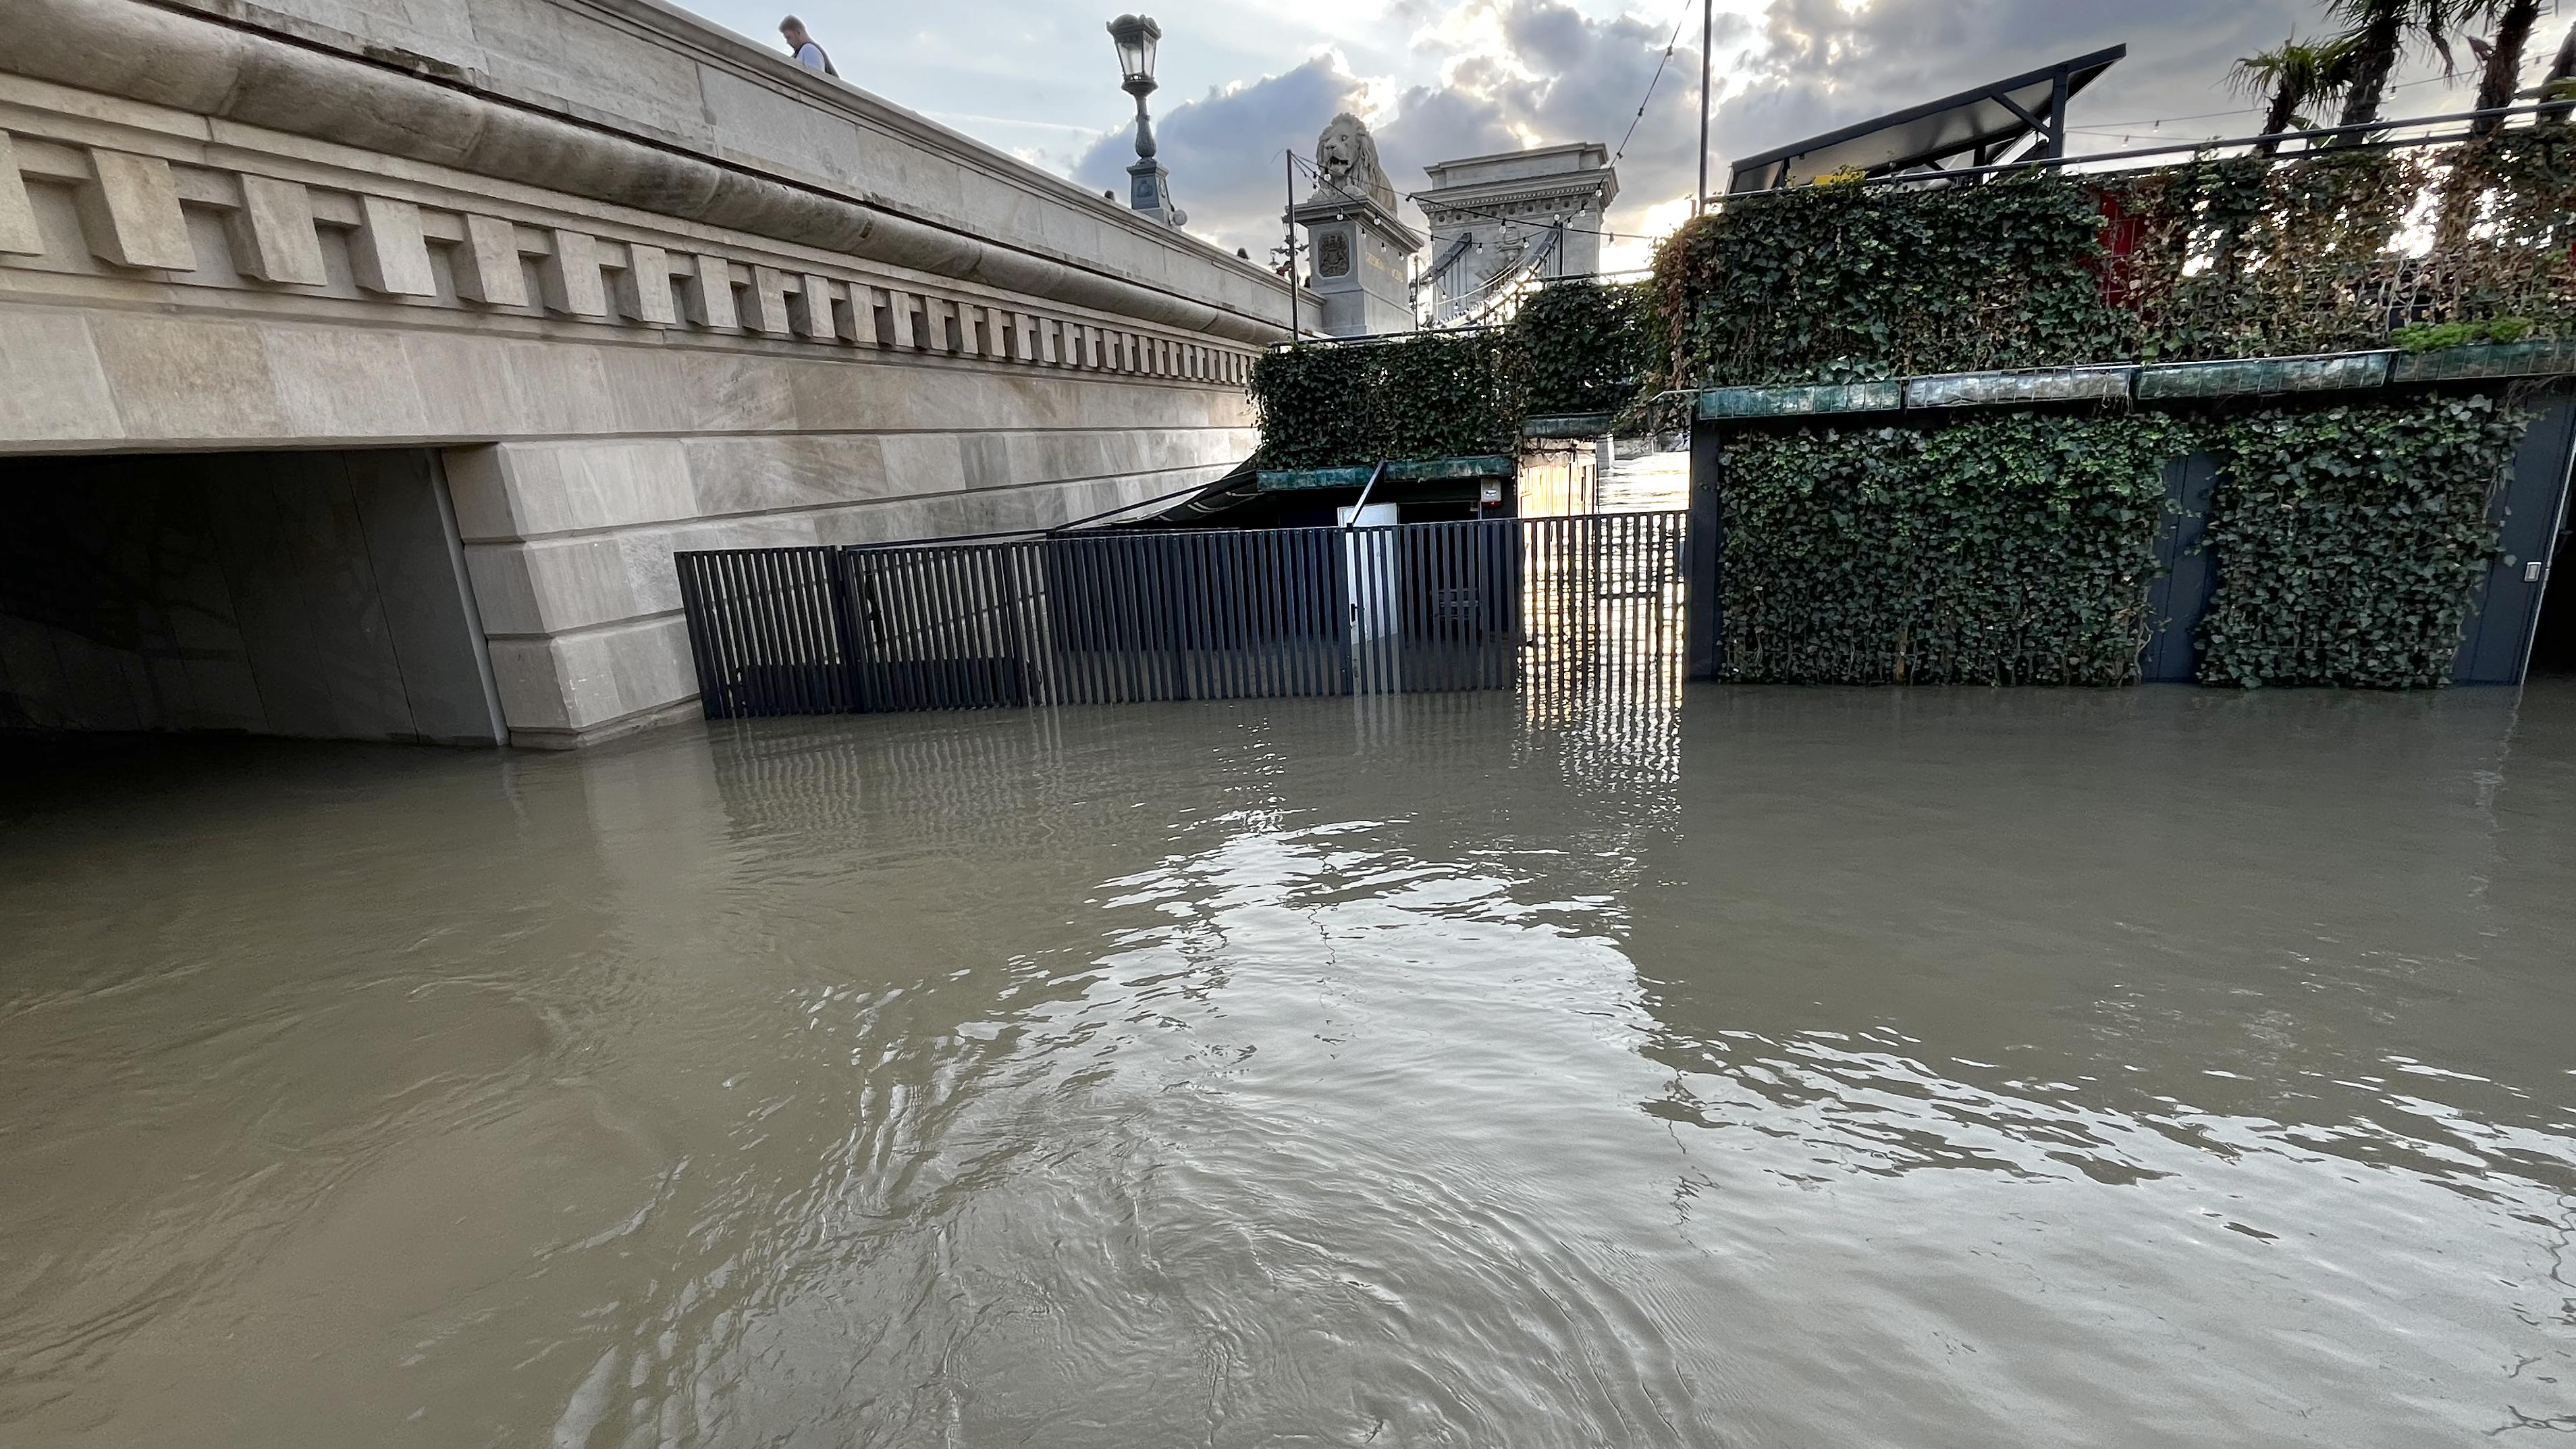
column 1247, row 80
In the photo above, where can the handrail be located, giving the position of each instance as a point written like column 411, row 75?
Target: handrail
column 1504, row 285
column 2187, row 148
column 1033, row 532
column 1374, row 475
column 1236, row 471
column 1457, row 249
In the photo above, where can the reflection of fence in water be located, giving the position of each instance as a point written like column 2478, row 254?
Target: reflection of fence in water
column 1587, row 604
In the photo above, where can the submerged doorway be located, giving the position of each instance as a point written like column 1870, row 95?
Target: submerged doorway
column 2553, row 643
column 317, row 595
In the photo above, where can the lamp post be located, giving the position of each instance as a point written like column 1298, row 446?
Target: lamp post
column 1149, row 187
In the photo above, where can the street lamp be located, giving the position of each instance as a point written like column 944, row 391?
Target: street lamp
column 1148, row 184
column 1134, row 36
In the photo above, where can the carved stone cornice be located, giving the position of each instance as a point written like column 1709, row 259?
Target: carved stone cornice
column 430, row 249
column 1565, row 194
column 182, row 61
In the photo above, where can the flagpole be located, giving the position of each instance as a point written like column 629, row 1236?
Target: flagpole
column 1707, row 32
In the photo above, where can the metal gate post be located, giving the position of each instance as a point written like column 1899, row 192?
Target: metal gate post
column 1703, row 548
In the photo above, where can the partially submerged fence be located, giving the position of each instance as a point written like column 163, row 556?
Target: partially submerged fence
column 1125, row 617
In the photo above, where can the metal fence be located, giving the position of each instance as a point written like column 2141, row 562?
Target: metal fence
column 1553, row 604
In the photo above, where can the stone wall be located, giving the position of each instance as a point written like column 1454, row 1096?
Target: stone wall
column 211, row 238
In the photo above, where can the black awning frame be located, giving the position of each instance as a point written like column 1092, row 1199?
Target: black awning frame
column 2033, row 105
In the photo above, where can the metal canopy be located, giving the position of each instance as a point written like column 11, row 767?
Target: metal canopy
column 1978, row 127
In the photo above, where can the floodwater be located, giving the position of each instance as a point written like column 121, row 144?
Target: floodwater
column 1800, row 1068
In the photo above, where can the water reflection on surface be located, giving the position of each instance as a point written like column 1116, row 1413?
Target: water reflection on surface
column 1794, row 1068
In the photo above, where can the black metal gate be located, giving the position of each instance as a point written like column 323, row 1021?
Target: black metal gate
column 1135, row 616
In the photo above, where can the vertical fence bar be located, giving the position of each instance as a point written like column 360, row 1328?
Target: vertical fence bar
column 1106, row 598
column 885, row 584
column 710, row 691
column 903, row 632
column 1104, row 630
column 1254, row 566
column 1005, row 573
column 814, row 590
column 1192, row 615
column 789, row 609
column 979, row 625
column 1064, row 622
column 773, row 633
column 748, row 642
column 953, row 641
column 1128, row 565
column 1232, row 568
column 1097, row 611
column 1424, row 588
column 741, row 641
column 1440, row 600
column 787, row 580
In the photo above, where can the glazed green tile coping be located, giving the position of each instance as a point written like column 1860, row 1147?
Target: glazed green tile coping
column 2260, row 376
column 1812, row 400
column 2151, row 382
column 1567, row 425
column 1426, row 470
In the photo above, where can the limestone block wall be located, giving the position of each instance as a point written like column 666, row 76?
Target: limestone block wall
column 569, row 541
column 604, row 382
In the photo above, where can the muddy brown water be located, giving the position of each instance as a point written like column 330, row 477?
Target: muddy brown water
column 1800, row 1068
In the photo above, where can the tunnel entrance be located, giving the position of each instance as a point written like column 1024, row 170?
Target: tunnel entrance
column 318, row 595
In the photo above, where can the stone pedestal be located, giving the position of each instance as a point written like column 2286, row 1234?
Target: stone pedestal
column 1149, row 191
column 1358, row 254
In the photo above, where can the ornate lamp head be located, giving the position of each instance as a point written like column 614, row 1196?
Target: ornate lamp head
column 1135, row 35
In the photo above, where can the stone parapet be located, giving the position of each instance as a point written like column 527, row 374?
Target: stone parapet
column 127, row 204
column 898, row 190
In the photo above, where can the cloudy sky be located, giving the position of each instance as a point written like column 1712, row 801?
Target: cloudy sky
column 1244, row 79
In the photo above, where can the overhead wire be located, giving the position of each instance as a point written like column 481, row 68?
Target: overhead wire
column 1415, row 196
column 1670, row 42
column 1527, row 221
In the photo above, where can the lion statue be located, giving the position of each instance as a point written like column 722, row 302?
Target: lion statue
column 1346, row 154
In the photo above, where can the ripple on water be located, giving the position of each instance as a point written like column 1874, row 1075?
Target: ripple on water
column 1795, row 1069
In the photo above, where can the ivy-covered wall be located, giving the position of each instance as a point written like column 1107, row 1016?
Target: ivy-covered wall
column 1590, row 344
column 1431, row 395
column 2020, row 548
column 2008, row 549
column 2245, row 257
column 1575, row 347
column 2349, row 540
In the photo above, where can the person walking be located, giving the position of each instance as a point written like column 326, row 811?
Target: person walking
column 808, row 54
